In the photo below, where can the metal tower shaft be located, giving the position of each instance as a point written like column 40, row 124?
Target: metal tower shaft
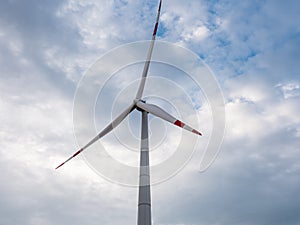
column 144, row 202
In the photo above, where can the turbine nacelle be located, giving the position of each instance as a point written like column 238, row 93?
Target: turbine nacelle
column 136, row 101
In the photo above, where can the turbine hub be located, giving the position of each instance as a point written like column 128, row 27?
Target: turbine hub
column 138, row 100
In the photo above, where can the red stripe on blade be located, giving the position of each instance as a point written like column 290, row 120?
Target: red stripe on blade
column 179, row 123
column 155, row 29
column 77, row 153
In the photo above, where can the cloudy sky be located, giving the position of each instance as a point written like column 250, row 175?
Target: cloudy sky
column 252, row 47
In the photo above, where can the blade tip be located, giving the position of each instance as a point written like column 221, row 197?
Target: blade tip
column 197, row 132
column 59, row 166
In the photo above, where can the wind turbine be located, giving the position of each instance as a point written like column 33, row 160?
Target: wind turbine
column 144, row 199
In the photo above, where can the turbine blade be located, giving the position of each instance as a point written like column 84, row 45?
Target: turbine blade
column 105, row 131
column 147, row 63
column 155, row 110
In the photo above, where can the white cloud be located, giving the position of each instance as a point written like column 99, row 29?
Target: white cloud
column 290, row 90
column 196, row 34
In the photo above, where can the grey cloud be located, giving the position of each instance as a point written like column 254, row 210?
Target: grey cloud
column 36, row 23
column 238, row 189
column 34, row 28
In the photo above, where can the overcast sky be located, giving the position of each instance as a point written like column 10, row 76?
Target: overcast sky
column 252, row 47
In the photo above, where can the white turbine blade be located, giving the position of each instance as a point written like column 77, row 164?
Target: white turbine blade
column 147, row 63
column 105, row 131
column 155, row 110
